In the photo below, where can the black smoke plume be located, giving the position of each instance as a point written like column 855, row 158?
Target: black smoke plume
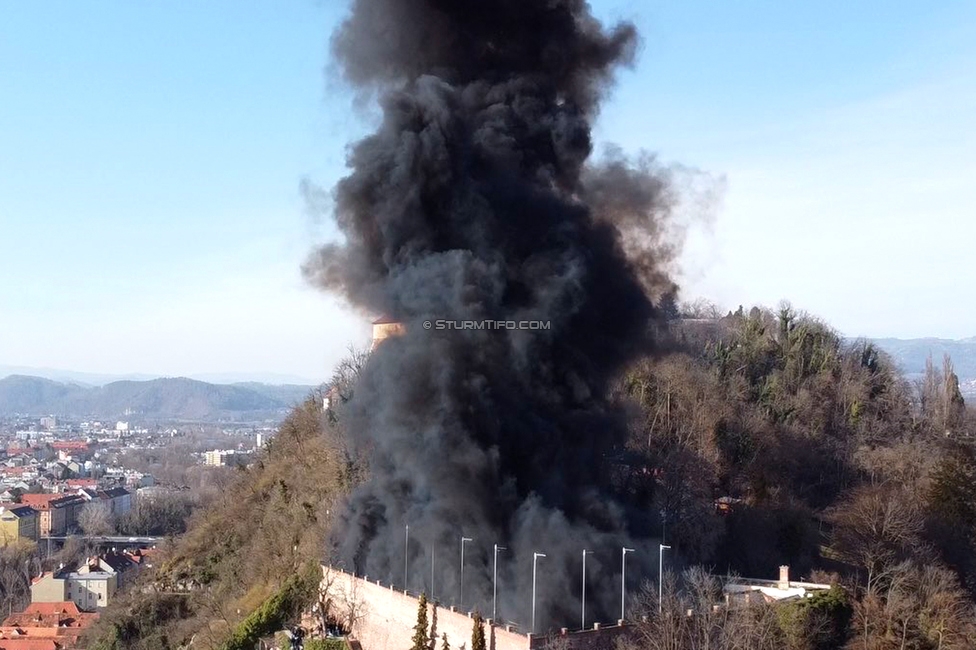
column 476, row 199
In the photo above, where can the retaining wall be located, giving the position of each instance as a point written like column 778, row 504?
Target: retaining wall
column 382, row 618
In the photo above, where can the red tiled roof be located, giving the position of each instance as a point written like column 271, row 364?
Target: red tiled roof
column 28, row 644
column 45, row 625
column 67, row 607
column 44, row 501
column 81, row 482
column 70, row 444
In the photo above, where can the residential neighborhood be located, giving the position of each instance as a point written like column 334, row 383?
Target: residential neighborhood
column 73, row 494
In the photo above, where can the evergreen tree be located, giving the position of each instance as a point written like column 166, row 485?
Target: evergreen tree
column 444, row 643
column 954, row 407
column 478, row 633
column 952, row 494
column 420, row 630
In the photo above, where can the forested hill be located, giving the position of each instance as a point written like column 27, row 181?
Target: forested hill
column 833, row 463
column 166, row 399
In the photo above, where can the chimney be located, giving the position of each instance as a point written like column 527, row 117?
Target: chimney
column 784, row 577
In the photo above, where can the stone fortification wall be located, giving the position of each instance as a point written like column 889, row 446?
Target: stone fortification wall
column 382, row 618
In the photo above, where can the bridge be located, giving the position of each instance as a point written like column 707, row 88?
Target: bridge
column 109, row 540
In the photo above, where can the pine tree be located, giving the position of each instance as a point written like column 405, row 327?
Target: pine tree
column 444, row 643
column 478, row 633
column 420, row 630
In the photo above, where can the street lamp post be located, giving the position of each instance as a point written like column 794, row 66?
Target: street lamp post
column 535, row 559
column 623, row 579
column 660, row 576
column 461, row 590
column 494, row 583
column 583, row 612
column 664, row 525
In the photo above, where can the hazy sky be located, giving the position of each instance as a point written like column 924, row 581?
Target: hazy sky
column 151, row 155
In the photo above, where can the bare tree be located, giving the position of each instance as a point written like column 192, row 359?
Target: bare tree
column 876, row 528
column 945, row 617
column 916, row 607
column 344, row 604
column 693, row 616
column 663, row 626
column 95, row 519
column 700, row 308
column 346, row 374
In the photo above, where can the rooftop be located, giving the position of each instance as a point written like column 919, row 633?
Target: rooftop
column 47, row 500
column 17, row 510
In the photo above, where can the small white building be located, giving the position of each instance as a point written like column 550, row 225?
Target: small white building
column 744, row 590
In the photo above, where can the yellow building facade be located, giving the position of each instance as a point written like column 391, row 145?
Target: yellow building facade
column 18, row 523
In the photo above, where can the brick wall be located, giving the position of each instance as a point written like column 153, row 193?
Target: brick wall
column 383, row 618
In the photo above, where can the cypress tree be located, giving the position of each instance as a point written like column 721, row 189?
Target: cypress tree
column 478, row 633
column 420, row 630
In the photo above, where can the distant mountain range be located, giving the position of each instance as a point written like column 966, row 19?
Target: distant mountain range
column 155, row 399
column 910, row 354
column 100, row 379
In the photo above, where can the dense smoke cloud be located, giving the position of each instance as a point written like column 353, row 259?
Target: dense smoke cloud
column 475, row 199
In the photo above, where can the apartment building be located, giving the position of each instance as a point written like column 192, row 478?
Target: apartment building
column 18, row 522
column 58, row 512
column 91, row 587
column 118, row 499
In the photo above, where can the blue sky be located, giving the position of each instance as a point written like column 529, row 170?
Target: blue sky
column 151, row 154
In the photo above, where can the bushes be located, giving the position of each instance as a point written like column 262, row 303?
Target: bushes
column 325, row 644
column 818, row 623
column 143, row 623
column 287, row 602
